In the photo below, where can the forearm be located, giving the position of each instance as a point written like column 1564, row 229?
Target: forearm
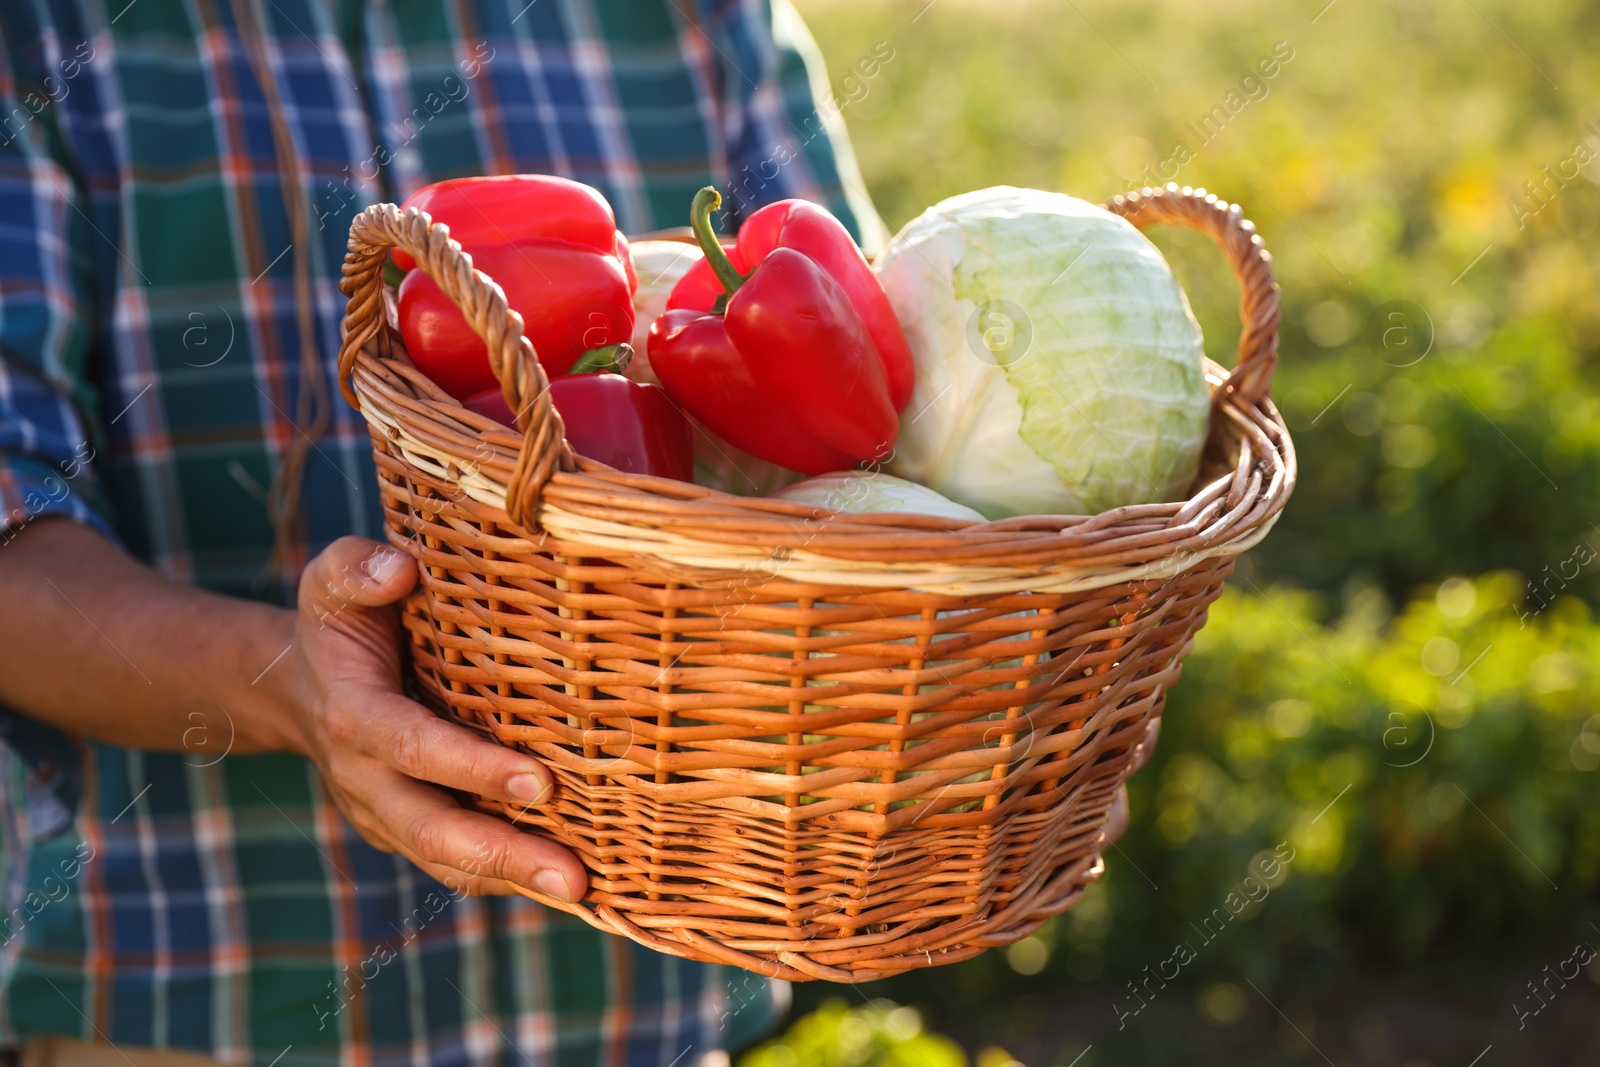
column 95, row 642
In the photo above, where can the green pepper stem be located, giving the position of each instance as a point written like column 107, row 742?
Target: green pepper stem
column 706, row 201
column 607, row 358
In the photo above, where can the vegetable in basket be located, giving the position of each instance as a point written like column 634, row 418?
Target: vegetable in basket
column 814, row 233
column 551, row 244
column 784, row 368
column 626, row 424
column 1059, row 368
column 869, row 492
column 717, row 464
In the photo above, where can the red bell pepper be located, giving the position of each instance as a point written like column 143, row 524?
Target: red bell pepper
column 571, row 300
column 817, row 235
column 511, row 208
column 553, row 247
column 620, row 422
column 787, row 371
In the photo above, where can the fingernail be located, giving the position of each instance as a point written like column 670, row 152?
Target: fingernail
column 529, row 787
column 551, row 884
column 383, row 564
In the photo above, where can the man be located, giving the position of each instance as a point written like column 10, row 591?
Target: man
column 221, row 824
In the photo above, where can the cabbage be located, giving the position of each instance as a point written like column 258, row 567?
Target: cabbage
column 724, row 467
column 1059, row 368
column 659, row 265
column 865, row 492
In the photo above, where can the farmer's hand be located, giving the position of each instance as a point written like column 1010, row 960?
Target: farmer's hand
column 383, row 757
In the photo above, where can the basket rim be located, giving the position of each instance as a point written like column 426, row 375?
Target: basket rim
column 701, row 530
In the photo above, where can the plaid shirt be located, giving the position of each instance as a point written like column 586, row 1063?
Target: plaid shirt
column 150, row 380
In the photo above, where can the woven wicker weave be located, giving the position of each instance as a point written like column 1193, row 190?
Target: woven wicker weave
column 811, row 744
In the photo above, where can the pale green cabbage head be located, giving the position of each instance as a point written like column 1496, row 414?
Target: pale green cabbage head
column 1059, row 368
column 866, row 492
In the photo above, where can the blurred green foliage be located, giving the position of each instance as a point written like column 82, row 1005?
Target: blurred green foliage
column 1402, row 683
column 878, row 1033
column 1433, row 770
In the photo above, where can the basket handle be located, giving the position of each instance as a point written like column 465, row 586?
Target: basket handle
column 526, row 388
column 1196, row 209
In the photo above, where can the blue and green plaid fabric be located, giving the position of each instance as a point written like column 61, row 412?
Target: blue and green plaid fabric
column 150, row 380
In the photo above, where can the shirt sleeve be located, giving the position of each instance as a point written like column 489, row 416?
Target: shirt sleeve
column 782, row 117
column 46, row 458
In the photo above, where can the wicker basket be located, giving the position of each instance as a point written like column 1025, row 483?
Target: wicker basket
column 811, row 744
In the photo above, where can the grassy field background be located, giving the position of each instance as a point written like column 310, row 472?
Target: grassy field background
column 1413, row 652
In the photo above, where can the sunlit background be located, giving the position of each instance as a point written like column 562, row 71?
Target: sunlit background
column 1400, row 687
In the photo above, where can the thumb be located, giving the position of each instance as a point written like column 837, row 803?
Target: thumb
column 355, row 572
